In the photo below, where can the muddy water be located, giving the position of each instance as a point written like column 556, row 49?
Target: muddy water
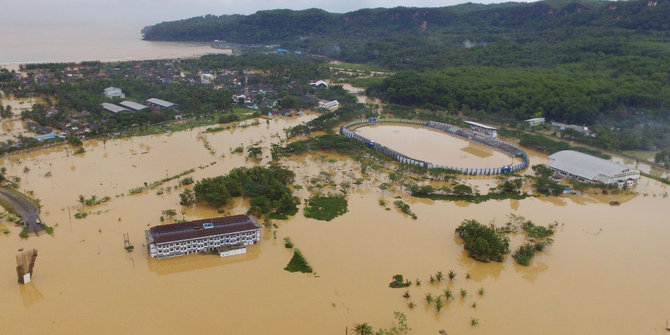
column 68, row 42
column 606, row 273
column 435, row 146
column 11, row 128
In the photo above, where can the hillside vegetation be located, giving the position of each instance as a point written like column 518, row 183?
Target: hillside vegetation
column 596, row 63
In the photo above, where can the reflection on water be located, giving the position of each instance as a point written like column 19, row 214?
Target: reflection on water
column 198, row 262
column 30, row 295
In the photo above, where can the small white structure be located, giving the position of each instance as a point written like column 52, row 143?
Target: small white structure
column 483, row 129
column 563, row 126
column 113, row 92
column 132, row 106
column 112, row 108
column 237, row 249
column 587, row 168
column 319, row 84
column 535, row 121
column 330, row 105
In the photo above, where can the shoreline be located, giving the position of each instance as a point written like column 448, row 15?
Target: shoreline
column 16, row 66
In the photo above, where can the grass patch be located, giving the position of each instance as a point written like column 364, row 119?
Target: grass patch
column 298, row 263
column 325, row 208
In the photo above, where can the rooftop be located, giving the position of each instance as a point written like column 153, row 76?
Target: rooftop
column 132, row 105
column 202, row 228
column 581, row 164
column 476, row 124
column 113, row 108
column 160, row 102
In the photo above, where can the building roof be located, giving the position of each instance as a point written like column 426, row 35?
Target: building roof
column 202, row 228
column 112, row 88
column 113, row 108
column 476, row 124
column 160, row 102
column 586, row 166
column 132, row 105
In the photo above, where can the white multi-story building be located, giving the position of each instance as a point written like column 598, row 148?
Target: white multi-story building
column 185, row 238
column 587, row 168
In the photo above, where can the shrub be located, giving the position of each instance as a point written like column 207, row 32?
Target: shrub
column 524, row 254
column 298, row 263
column 483, row 243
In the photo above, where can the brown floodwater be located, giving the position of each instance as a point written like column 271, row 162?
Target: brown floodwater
column 606, row 273
column 435, row 146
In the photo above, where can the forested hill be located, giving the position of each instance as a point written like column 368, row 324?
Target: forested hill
column 598, row 63
column 401, row 37
column 279, row 26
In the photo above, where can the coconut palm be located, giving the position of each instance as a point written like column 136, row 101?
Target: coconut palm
column 439, row 276
column 451, row 275
column 363, row 329
column 429, row 298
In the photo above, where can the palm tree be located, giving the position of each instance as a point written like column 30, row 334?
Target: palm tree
column 438, row 303
column 363, row 329
column 439, row 276
column 452, row 275
column 429, row 298
column 464, row 293
column 448, row 295
column 481, row 291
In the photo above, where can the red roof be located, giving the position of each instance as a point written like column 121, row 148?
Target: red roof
column 196, row 229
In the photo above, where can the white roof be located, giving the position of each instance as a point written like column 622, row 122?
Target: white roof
column 160, row 102
column 111, row 88
column 476, row 124
column 132, row 105
column 113, row 108
column 536, row 119
column 583, row 165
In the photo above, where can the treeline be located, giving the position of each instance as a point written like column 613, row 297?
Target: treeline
column 567, row 93
column 538, row 33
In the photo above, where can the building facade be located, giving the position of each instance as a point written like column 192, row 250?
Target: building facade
column 205, row 235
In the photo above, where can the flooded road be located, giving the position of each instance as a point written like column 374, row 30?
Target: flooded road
column 606, row 273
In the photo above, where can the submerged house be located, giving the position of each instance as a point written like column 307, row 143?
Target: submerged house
column 227, row 235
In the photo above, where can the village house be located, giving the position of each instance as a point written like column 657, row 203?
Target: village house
column 319, row 84
column 330, row 105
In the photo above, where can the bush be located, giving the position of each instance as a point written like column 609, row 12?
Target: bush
column 298, row 263
column 524, row 254
column 398, row 281
column 483, row 243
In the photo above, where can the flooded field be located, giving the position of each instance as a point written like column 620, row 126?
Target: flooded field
column 435, row 146
column 605, row 274
column 11, row 128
